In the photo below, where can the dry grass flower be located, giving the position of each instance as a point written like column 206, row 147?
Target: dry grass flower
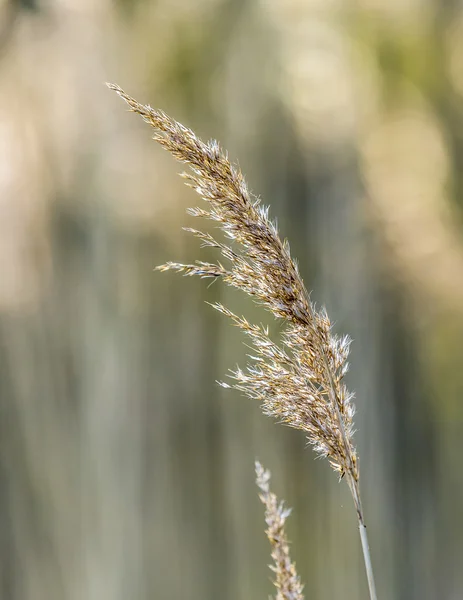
column 300, row 381
column 287, row 580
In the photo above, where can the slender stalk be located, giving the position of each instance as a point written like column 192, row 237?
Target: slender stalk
column 355, row 491
column 367, row 558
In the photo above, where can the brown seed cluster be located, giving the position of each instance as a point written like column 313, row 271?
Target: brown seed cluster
column 300, row 380
column 286, row 580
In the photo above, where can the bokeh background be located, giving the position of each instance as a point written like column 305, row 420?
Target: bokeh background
column 125, row 471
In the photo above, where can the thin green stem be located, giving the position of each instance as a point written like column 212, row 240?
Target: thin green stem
column 355, row 491
column 367, row 558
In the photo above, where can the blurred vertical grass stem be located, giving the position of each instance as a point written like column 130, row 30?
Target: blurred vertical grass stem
column 300, row 380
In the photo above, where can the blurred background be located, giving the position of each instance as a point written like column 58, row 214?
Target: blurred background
column 125, row 471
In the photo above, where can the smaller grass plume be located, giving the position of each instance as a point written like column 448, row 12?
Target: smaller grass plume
column 286, row 579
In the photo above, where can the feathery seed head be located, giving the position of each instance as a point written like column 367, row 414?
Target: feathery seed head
column 300, row 381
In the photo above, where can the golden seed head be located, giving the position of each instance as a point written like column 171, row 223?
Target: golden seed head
column 300, row 380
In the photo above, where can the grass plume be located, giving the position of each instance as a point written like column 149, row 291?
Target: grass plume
column 286, row 580
column 300, row 381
